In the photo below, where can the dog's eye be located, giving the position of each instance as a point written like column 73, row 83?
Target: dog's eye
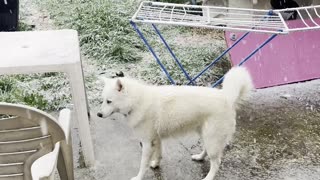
column 108, row 101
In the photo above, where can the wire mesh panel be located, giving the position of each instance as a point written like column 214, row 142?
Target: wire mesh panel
column 226, row 18
column 309, row 16
column 211, row 17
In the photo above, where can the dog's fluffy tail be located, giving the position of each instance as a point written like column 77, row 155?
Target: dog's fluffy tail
column 237, row 84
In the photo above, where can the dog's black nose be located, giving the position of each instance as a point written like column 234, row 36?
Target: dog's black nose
column 99, row 115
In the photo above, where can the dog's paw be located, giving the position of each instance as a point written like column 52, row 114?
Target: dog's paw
column 197, row 157
column 154, row 164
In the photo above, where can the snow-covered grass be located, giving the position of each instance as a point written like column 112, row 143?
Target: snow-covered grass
column 103, row 25
column 109, row 44
column 46, row 91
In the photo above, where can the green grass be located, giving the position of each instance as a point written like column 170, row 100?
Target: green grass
column 47, row 91
column 25, row 27
column 193, row 59
column 6, row 84
column 103, row 25
column 10, row 92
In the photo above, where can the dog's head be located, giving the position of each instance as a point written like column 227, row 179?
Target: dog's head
column 115, row 98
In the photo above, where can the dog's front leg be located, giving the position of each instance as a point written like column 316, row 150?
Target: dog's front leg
column 147, row 152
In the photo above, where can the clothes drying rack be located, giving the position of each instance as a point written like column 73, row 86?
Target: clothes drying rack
column 225, row 18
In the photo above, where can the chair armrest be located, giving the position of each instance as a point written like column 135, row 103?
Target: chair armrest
column 45, row 165
column 65, row 122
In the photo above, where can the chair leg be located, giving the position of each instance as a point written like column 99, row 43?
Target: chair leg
column 65, row 162
column 61, row 166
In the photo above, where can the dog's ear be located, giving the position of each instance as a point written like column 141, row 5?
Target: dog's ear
column 120, row 74
column 119, row 85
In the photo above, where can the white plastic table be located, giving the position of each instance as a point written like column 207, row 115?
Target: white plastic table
column 50, row 51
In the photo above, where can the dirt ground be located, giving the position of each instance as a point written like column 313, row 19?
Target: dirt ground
column 277, row 138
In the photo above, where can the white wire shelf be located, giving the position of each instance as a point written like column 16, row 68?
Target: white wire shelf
column 226, row 18
column 308, row 16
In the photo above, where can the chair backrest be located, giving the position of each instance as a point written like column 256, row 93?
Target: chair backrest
column 26, row 134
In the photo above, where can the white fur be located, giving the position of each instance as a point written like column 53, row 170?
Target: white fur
column 157, row 112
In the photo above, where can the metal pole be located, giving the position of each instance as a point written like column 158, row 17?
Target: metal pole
column 172, row 54
column 152, row 51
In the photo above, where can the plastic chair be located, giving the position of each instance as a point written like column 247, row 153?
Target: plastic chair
column 33, row 143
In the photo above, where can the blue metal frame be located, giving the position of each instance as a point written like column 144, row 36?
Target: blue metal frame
column 134, row 25
column 173, row 55
column 192, row 80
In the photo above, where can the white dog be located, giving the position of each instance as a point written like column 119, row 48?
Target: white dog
column 157, row 112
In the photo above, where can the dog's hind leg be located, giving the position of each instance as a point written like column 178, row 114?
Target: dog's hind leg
column 157, row 153
column 147, row 152
column 214, row 142
column 214, row 152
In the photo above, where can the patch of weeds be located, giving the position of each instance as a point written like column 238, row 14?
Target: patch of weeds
column 194, row 60
column 153, row 74
column 47, row 86
column 35, row 100
column 48, row 91
column 204, row 31
column 6, row 84
column 16, row 95
column 124, row 53
column 23, row 78
column 193, row 55
column 30, row 77
column 25, row 27
column 49, row 74
column 105, row 32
